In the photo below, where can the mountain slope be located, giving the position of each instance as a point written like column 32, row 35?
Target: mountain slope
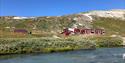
column 112, row 21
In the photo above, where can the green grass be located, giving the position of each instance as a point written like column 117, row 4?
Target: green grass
column 45, row 45
column 111, row 26
column 107, row 41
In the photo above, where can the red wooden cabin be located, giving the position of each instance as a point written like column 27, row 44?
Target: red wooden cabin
column 67, row 32
column 20, row 31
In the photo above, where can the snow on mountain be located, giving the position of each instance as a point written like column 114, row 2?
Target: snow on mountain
column 117, row 13
column 110, row 13
column 85, row 19
column 22, row 17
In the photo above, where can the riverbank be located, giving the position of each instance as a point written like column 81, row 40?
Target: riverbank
column 48, row 45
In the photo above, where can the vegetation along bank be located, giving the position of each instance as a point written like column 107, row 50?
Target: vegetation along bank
column 47, row 45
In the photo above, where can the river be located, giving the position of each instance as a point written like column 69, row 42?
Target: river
column 100, row 55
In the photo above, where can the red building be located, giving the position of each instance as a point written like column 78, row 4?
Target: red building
column 20, row 31
column 67, row 32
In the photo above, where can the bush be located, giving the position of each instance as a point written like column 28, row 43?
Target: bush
column 108, row 41
column 30, row 45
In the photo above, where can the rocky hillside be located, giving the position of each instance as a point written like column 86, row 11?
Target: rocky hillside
column 111, row 20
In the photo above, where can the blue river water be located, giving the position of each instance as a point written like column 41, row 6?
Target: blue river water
column 100, row 55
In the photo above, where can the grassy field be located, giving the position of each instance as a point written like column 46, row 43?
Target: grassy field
column 47, row 45
column 55, row 25
column 111, row 26
column 48, row 27
column 32, row 45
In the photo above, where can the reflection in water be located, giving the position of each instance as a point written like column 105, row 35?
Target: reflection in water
column 124, row 56
column 101, row 55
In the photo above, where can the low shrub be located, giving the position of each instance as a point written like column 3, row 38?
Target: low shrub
column 108, row 41
column 30, row 45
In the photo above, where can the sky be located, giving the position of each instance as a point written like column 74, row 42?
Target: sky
column 55, row 7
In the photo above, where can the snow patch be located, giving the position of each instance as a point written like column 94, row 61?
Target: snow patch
column 23, row 17
column 112, row 13
column 88, row 15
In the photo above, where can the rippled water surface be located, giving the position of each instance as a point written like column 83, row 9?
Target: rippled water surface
column 101, row 55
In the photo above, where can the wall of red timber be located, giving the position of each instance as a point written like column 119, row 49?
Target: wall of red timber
column 67, row 32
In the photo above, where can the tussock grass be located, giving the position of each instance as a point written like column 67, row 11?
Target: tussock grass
column 32, row 45
column 111, row 25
